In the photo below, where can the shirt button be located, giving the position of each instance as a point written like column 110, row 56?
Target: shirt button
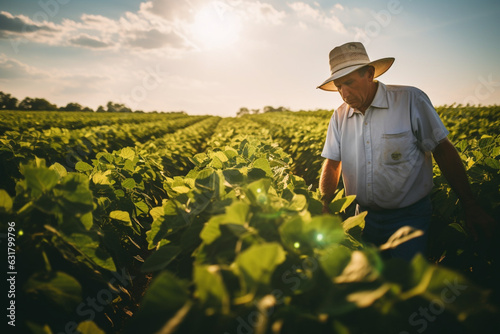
column 369, row 162
column 368, row 142
column 366, row 123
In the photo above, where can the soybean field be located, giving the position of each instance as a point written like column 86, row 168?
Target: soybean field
column 171, row 223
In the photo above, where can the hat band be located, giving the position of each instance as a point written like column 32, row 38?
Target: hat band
column 346, row 65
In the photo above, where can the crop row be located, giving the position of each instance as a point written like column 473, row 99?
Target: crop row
column 67, row 147
column 43, row 120
column 301, row 136
column 82, row 233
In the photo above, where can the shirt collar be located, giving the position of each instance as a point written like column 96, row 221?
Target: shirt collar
column 379, row 100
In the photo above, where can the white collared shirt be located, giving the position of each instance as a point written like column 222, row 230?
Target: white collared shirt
column 386, row 153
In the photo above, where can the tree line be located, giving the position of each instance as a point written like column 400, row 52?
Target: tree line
column 9, row 102
column 246, row 111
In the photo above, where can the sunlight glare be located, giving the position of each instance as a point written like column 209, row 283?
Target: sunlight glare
column 216, row 28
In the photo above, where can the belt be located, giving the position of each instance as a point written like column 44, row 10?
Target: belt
column 362, row 208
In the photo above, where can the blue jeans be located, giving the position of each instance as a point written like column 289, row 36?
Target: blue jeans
column 381, row 224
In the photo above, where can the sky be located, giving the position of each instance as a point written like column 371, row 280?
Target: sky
column 215, row 57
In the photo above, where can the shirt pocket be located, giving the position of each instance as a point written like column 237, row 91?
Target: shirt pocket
column 396, row 148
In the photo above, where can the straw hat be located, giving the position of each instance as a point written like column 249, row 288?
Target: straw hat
column 348, row 58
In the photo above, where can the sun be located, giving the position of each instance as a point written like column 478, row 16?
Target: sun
column 216, row 27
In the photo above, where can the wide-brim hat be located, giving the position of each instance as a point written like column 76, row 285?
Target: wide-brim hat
column 348, row 58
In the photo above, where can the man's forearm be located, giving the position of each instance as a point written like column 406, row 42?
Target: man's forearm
column 330, row 175
column 451, row 166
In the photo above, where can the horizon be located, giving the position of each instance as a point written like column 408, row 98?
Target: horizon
column 215, row 57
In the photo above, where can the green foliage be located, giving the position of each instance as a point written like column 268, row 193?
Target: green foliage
column 187, row 224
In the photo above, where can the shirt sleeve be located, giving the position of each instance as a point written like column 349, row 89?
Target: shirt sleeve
column 427, row 126
column 331, row 149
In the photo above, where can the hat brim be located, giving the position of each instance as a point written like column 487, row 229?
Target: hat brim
column 380, row 65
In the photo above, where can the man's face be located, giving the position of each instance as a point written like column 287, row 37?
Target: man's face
column 355, row 89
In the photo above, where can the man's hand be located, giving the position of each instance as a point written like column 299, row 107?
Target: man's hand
column 479, row 223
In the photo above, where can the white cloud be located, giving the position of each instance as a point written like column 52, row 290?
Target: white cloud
column 262, row 12
column 21, row 24
column 14, row 69
column 314, row 16
column 85, row 40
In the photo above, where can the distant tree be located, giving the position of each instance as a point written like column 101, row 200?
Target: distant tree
column 255, row 111
column 242, row 111
column 8, row 102
column 267, row 109
column 139, row 111
column 100, row 109
column 272, row 109
column 88, row 109
column 72, row 107
column 36, row 104
column 117, row 107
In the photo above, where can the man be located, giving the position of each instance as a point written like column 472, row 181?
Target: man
column 382, row 140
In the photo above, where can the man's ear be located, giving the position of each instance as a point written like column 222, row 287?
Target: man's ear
column 371, row 72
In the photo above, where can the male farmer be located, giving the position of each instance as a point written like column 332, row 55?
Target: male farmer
column 382, row 139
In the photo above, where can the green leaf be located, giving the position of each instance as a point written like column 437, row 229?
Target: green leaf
column 87, row 220
column 74, row 187
column 5, row 202
column 211, row 230
column 236, row 213
column 88, row 244
column 222, row 157
column 258, row 262
column 216, row 163
column 59, row 169
column 157, row 212
column 334, row 259
column 359, row 269
column 161, row 258
column 199, row 158
column 233, row 176
column 122, row 216
column 258, row 191
column 292, row 234
column 402, row 235
column 58, row 288
column 358, row 220
column 298, row 203
column 83, row 167
column 181, row 189
column 127, row 153
column 324, row 231
column 101, row 177
column 142, row 207
column 164, row 297
column 341, row 204
column 89, row 327
column 210, row 286
column 40, row 179
column 263, row 164
column 490, row 162
column 128, row 183
column 230, row 152
column 210, row 180
column 366, row 298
